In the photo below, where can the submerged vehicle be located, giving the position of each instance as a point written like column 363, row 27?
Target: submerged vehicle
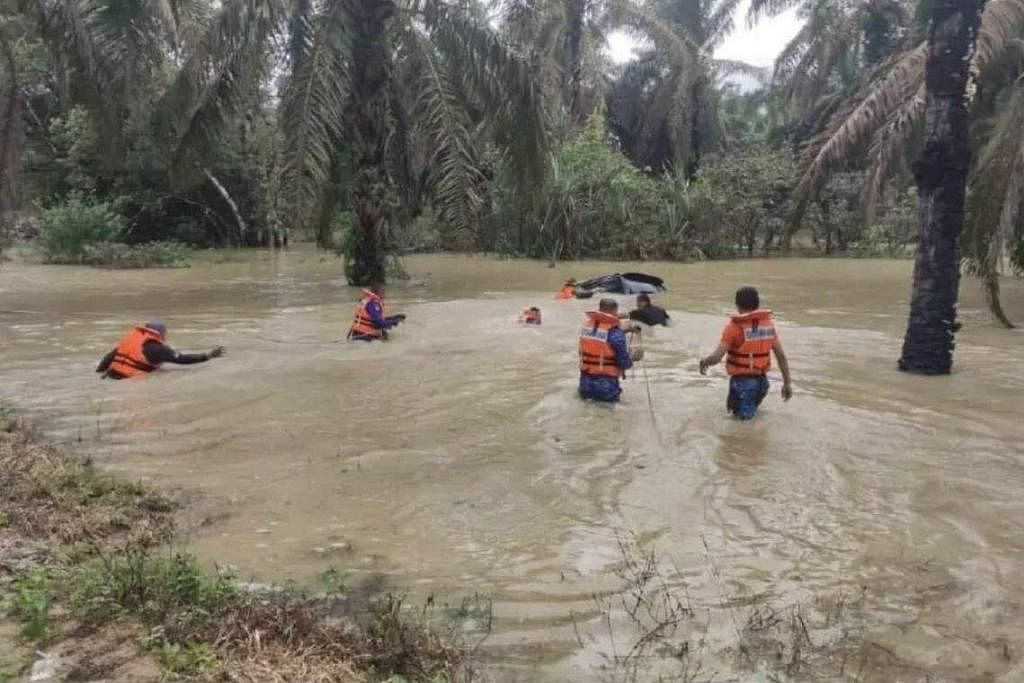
column 620, row 283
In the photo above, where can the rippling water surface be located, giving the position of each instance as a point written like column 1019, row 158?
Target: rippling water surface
column 456, row 459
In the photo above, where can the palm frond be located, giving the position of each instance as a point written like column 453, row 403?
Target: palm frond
column 681, row 47
column 503, row 80
column 890, row 144
column 165, row 17
column 454, row 177
column 731, row 67
column 760, row 9
column 218, row 74
column 1002, row 23
column 720, row 23
column 70, row 28
column 313, row 112
column 851, row 127
column 997, row 192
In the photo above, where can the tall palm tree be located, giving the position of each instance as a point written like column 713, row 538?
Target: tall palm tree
column 879, row 125
column 397, row 88
column 665, row 109
column 941, row 181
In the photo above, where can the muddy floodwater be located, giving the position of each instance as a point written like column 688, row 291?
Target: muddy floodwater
column 457, row 460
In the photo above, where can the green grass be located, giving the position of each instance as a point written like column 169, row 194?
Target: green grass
column 33, row 597
column 154, row 587
column 192, row 660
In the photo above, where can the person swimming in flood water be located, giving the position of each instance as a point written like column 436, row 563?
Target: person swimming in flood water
column 142, row 350
column 747, row 343
column 530, row 316
column 604, row 354
column 647, row 313
column 370, row 320
column 568, row 290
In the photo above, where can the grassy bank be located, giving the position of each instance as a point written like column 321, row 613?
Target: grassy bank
column 94, row 590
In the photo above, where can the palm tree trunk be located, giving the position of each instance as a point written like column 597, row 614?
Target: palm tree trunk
column 941, row 180
column 367, row 115
column 576, row 16
column 12, row 136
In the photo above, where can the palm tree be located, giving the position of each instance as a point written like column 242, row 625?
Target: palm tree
column 398, row 88
column 665, row 109
column 941, row 180
column 878, row 124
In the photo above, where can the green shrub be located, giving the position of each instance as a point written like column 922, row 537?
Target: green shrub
column 149, row 255
column 192, row 660
column 33, row 597
column 155, row 587
column 67, row 229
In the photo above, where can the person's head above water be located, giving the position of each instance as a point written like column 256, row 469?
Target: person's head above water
column 747, row 299
column 378, row 289
column 158, row 326
column 570, row 281
column 608, row 306
column 643, row 301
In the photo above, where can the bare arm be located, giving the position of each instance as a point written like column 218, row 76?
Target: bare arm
column 106, row 361
column 780, row 356
column 715, row 358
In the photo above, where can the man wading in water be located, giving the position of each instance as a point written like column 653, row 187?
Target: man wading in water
column 370, row 321
column 749, row 339
column 604, row 354
column 143, row 350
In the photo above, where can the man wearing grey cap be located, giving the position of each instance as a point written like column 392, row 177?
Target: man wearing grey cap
column 143, row 350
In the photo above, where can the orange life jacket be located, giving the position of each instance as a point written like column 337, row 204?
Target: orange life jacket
column 362, row 323
column 129, row 360
column 567, row 292
column 754, row 356
column 530, row 317
column 597, row 357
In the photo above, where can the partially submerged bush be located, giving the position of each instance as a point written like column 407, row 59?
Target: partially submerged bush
column 149, row 255
column 67, row 229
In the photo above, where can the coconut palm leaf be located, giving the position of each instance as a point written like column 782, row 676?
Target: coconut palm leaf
column 313, row 110
column 500, row 78
column 997, row 192
column 223, row 69
column 731, row 67
column 442, row 123
column 892, row 144
column 850, row 129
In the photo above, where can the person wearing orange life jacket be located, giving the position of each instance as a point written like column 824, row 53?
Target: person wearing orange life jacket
column 604, row 354
column 568, row 290
column 531, row 316
column 370, row 320
column 747, row 344
column 142, row 350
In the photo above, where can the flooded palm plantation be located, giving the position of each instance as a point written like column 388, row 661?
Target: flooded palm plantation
column 456, row 459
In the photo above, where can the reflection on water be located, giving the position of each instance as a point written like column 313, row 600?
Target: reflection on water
column 456, row 458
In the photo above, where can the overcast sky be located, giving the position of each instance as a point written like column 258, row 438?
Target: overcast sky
column 758, row 45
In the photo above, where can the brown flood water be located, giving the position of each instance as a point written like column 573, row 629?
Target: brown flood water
column 456, row 459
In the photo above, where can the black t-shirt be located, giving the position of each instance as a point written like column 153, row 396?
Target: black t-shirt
column 651, row 315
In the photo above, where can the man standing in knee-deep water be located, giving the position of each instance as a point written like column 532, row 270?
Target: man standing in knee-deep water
column 747, row 344
column 142, row 350
column 604, row 354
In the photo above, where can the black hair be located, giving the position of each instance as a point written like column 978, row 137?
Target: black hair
column 608, row 305
column 747, row 299
column 643, row 298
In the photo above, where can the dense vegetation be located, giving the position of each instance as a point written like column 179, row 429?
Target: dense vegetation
column 502, row 125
